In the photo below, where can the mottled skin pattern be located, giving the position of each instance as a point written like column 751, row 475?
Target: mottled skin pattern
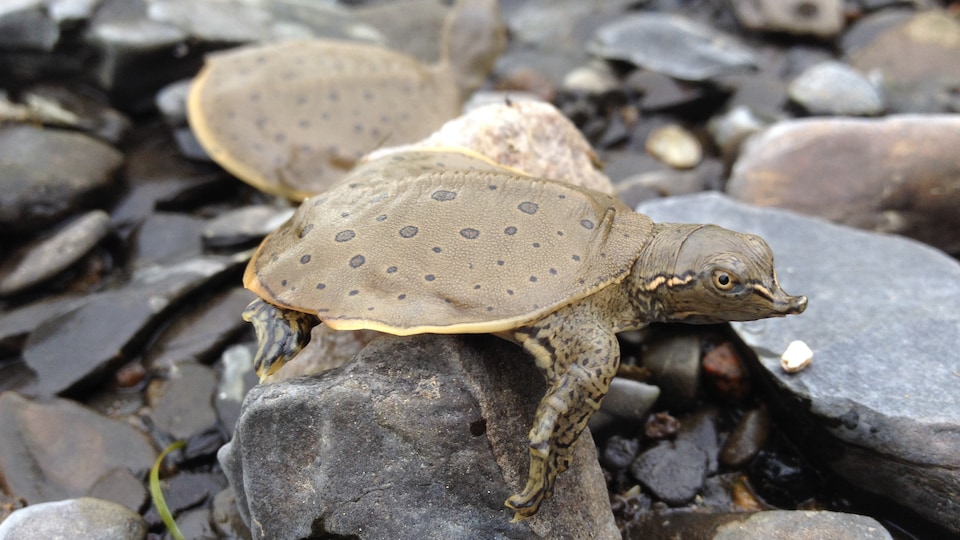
column 684, row 273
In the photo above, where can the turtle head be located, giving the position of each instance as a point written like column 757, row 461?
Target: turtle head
column 717, row 275
column 281, row 334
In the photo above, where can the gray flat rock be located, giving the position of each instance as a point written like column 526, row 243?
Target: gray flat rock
column 673, row 45
column 881, row 401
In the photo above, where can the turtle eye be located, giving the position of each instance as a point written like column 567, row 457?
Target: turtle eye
column 724, row 281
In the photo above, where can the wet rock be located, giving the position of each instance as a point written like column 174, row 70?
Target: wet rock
column 85, row 517
column 746, row 440
column 122, row 487
column 124, row 39
column 881, row 400
column 619, row 452
column 672, row 45
column 200, row 334
column 660, row 92
column 673, row 471
column 898, row 174
column 821, row 18
column 700, row 429
column 915, row 61
column 763, row 95
column 26, row 25
column 183, row 404
column 675, row 364
column 186, row 490
column 44, row 258
column 218, row 22
column 674, row 146
column 725, row 374
column 39, row 442
column 411, row 439
column 834, row 88
column 79, row 109
column 37, row 190
column 79, row 348
column 244, row 226
column 800, row 525
column 627, row 400
column 166, row 236
column 16, row 324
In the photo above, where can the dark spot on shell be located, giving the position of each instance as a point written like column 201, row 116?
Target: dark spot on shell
column 553, row 271
column 306, row 228
column 437, row 249
column 586, row 224
column 283, row 283
column 429, row 277
column 528, row 207
column 318, row 202
column 491, row 187
column 370, row 308
column 381, row 217
column 533, row 279
column 304, row 124
column 489, row 308
column 510, row 231
column 559, row 233
column 345, row 215
column 536, row 244
column 280, row 138
column 470, row 234
column 443, row 195
column 344, row 235
column 409, row 231
column 357, row 261
column 401, row 297
column 323, row 310
column 357, row 128
column 475, row 287
column 368, row 95
column 391, row 269
column 576, row 257
column 354, row 292
column 305, row 259
column 510, row 292
column 499, row 263
column 561, row 196
column 321, row 286
column 333, row 96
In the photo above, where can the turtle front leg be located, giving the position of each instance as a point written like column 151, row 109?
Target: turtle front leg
column 579, row 357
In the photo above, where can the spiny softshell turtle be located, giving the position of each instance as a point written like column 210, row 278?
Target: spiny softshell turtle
column 292, row 118
column 436, row 242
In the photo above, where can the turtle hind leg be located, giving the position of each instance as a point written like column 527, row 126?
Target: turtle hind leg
column 579, row 357
column 281, row 334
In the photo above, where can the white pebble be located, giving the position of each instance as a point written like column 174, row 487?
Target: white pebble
column 797, row 357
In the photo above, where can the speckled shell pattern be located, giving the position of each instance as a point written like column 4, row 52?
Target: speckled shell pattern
column 446, row 243
column 292, row 118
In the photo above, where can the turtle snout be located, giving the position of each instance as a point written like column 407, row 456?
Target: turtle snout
column 795, row 305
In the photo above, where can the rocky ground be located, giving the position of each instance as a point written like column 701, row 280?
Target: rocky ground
column 830, row 129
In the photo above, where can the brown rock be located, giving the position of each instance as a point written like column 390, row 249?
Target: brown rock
column 916, row 60
column 900, row 174
column 725, row 374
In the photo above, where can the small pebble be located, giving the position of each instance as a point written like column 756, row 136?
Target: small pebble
column 725, row 373
column 797, row 357
column 661, row 426
column 675, row 146
column 746, row 440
